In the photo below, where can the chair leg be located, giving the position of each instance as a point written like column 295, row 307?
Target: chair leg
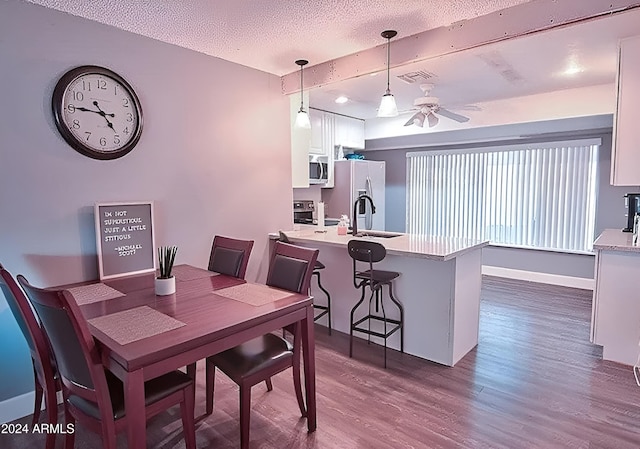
column 268, row 384
column 37, row 404
column 353, row 310
column 188, row 421
column 210, row 371
column 245, row 414
column 70, row 437
column 51, row 402
column 297, row 386
column 397, row 303
column 317, row 273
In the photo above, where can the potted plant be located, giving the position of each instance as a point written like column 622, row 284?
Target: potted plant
column 166, row 282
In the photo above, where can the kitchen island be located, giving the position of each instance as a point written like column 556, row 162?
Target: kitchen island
column 439, row 288
column 615, row 318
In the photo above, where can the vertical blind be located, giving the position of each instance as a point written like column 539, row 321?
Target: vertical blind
column 540, row 196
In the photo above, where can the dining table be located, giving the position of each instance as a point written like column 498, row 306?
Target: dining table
column 142, row 336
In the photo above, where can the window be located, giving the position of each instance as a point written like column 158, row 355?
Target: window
column 536, row 196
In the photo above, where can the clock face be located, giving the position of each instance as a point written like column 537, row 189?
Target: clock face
column 97, row 112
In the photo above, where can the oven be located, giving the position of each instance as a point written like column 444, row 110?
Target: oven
column 303, row 211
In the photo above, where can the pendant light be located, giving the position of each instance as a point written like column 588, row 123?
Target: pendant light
column 302, row 119
column 388, row 106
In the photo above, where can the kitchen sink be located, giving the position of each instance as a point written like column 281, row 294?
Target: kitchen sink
column 384, row 235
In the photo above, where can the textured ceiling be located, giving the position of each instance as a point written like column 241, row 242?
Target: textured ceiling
column 270, row 35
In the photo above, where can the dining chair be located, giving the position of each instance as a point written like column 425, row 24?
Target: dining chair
column 230, row 256
column 44, row 367
column 257, row 360
column 92, row 395
column 324, row 310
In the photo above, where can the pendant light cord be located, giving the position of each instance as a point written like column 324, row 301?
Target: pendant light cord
column 388, row 58
column 301, row 89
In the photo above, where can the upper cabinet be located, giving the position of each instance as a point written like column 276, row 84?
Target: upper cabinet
column 300, row 142
column 349, row 132
column 316, row 118
column 626, row 137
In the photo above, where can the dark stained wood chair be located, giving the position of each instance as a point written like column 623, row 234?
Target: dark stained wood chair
column 92, row 395
column 230, row 256
column 259, row 359
column 324, row 310
column 44, row 367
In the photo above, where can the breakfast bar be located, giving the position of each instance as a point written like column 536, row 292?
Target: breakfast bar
column 439, row 287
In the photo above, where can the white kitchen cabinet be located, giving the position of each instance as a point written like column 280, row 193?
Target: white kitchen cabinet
column 615, row 317
column 300, row 142
column 328, row 142
column 626, row 138
column 316, row 146
column 349, row 132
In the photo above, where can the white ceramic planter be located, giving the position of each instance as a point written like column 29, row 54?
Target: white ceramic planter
column 165, row 286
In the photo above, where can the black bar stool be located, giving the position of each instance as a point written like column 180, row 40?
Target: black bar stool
column 325, row 310
column 370, row 253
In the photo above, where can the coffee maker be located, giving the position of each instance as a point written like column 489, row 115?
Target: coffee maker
column 632, row 202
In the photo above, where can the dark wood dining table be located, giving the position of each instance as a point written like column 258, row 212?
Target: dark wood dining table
column 212, row 323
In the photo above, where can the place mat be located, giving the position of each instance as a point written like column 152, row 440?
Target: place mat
column 135, row 324
column 188, row 273
column 254, row 294
column 88, row 294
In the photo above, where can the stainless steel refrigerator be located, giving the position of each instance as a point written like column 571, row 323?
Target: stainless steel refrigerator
column 353, row 178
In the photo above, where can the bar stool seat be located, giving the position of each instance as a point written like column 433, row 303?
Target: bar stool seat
column 362, row 251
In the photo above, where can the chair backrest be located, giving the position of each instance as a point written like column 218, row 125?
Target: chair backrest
column 36, row 338
column 368, row 252
column 291, row 267
column 76, row 353
column 230, row 256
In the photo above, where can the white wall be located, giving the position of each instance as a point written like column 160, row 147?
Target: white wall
column 214, row 155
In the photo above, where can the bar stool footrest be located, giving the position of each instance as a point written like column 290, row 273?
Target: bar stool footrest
column 397, row 325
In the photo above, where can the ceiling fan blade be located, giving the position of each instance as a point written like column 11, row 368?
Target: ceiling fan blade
column 417, row 119
column 452, row 115
column 432, row 119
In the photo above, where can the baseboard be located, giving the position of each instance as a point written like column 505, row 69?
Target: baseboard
column 544, row 278
column 17, row 407
column 20, row 406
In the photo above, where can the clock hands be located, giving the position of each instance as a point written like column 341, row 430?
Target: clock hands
column 99, row 112
column 104, row 114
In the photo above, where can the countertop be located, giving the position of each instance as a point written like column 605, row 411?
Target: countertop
column 427, row 247
column 616, row 240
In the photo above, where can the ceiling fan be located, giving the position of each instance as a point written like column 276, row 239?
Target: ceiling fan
column 430, row 109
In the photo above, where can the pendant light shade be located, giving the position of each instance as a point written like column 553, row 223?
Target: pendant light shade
column 388, row 106
column 302, row 119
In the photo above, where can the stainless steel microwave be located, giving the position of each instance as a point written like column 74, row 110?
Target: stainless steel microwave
column 318, row 169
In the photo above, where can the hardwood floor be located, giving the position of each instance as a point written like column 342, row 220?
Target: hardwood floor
column 534, row 381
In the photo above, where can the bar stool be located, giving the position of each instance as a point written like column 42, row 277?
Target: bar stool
column 370, row 253
column 325, row 310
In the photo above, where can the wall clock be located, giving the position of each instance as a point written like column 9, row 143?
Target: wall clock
column 97, row 112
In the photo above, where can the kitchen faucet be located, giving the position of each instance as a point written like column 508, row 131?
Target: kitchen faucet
column 354, row 225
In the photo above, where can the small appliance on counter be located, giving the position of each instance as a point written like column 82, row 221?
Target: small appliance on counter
column 632, row 202
column 303, row 211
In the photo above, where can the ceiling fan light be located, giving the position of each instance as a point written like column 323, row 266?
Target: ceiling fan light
column 432, row 119
column 302, row 120
column 388, row 106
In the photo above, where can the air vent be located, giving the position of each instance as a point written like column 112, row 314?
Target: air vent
column 419, row 76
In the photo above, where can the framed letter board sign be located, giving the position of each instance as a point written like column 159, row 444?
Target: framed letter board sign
column 124, row 236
